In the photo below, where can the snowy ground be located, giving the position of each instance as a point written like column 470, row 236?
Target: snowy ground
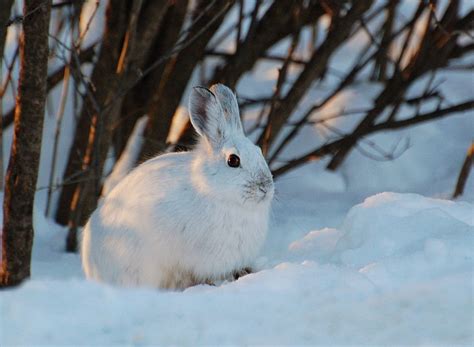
column 398, row 270
column 346, row 262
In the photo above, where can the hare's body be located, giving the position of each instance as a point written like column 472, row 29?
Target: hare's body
column 182, row 219
column 168, row 252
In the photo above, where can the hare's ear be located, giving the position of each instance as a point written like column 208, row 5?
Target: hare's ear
column 229, row 105
column 206, row 115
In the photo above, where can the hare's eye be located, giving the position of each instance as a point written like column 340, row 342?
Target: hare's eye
column 233, row 160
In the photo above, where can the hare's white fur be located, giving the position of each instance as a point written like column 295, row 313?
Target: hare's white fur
column 182, row 219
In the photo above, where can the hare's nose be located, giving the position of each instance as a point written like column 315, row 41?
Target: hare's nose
column 265, row 184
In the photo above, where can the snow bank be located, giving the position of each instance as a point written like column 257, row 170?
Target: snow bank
column 398, row 271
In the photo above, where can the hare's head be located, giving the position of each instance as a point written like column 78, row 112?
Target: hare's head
column 228, row 166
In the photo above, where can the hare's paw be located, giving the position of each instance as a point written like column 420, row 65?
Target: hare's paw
column 242, row 272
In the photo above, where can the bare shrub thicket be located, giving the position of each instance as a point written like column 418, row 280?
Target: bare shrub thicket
column 150, row 50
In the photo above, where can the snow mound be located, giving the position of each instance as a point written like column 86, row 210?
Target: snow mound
column 394, row 226
column 398, row 271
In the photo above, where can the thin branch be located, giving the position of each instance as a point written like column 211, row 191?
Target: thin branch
column 350, row 77
column 54, row 78
column 59, row 119
column 331, row 147
column 266, row 56
column 282, row 75
column 9, row 77
column 393, row 125
column 464, row 173
column 340, row 30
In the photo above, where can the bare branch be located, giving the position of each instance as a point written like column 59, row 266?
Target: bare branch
column 464, row 173
column 54, row 78
column 332, row 147
column 314, row 69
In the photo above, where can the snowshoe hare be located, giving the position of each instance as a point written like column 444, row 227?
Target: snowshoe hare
column 182, row 219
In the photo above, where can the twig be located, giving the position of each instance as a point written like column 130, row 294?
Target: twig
column 54, row 78
column 282, row 75
column 266, row 56
column 392, row 125
column 384, row 155
column 59, row 118
column 78, row 43
column 464, row 173
column 238, row 38
column 10, row 66
column 20, row 19
column 411, row 26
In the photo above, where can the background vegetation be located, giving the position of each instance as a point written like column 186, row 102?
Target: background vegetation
column 151, row 51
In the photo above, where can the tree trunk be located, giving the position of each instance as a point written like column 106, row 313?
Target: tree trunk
column 22, row 173
column 5, row 7
column 137, row 101
column 102, row 79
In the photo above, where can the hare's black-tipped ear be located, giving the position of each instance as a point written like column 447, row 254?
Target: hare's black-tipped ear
column 229, row 105
column 206, row 115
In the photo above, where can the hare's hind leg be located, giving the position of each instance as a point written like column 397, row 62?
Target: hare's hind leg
column 242, row 272
column 178, row 278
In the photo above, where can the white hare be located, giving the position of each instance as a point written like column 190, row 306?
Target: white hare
column 187, row 218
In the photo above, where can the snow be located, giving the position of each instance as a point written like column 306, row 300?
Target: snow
column 398, row 270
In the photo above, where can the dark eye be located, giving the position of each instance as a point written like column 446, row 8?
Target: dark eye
column 233, row 160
